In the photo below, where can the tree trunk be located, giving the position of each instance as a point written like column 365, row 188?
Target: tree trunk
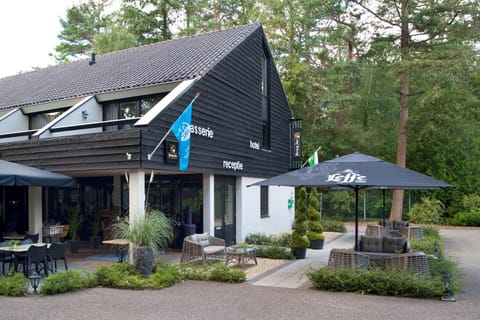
column 397, row 201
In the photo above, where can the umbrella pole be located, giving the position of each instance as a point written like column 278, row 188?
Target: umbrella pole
column 383, row 213
column 356, row 219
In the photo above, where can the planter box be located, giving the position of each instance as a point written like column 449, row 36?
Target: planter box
column 299, row 253
column 316, row 244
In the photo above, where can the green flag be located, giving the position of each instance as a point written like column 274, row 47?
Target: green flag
column 313, row 160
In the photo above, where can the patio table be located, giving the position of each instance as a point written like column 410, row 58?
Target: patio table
column 121, row 247
column 20, row 249
column 241, row 255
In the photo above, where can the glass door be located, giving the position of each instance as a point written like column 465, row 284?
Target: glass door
column 225, row 209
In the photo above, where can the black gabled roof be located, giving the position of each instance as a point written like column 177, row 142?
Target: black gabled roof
column 162, row 62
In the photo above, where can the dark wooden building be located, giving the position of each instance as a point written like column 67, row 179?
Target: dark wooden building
column 101, row 121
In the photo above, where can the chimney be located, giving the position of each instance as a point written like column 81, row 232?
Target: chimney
column 93, row 59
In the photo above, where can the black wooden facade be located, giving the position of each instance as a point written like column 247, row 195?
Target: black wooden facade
column 229, row 107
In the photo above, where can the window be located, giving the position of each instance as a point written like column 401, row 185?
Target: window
column 128, row 109
column 264, row 202
column 266, row 100
column 39, row 120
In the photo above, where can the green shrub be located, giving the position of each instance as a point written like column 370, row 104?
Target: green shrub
column 282, row 239
column 378, row 282
column 273, row 252
column 165, row 275
column 315, row 235
column 111, row 276
column 258, row 238
column 65, row 281
column 222, row 273
column 469, row 218
column 333, row 226
column 14, row 285
column 213, row 272
column 428, row 211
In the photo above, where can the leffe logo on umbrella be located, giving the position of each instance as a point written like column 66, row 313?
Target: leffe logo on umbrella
column 347, row 176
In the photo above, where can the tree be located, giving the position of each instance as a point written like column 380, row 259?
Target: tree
column 82, row 23
column 115, row 38
column 414, row 34
column 149, row 20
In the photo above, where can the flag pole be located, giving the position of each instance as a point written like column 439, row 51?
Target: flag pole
column 150, row 155
column 309, row 157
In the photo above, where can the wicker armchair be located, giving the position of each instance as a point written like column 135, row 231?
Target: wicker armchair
column 200, row 247
column 347, row 258
column 414, row 262
column 376, row 230
column 414, row 232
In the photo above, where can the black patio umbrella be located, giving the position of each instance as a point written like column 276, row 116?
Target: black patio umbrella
column 14, row 174
column 356, row 171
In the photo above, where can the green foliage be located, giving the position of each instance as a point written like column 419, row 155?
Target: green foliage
column 13, row 285
column 155, row 230
column 315, row 235
column 65, row 281
column 113, row 275
column 376, row 281
column 213, row 272
column 469, row 218
column 75, row 220
column 96, row 225
column 471, row 202
column 333, row 226
column 394, row 282
column 258, row 238
column 82, row 23
column 299, row 241
column 123, row 275
column 428, row 211
column 282, row 239
column 273, row 252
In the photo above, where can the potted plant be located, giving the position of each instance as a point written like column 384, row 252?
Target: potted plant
column 314, row 228
column 145, row 235
column 96, row 227
column 299, row 241
column 75, row 220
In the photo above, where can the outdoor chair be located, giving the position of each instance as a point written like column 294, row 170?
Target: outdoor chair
column 200, row 247
column 57, row 251
column 376, row 230
column 36, row 256
column 347, row 258
column 33, row 237
column 413, row 232
column 413, row 262
column 6, row 257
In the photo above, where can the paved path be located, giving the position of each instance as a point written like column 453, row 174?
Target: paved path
column 209, row 300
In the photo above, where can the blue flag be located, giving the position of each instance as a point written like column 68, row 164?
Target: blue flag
column 181, row 130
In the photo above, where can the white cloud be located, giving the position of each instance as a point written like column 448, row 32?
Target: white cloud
column 28, row 33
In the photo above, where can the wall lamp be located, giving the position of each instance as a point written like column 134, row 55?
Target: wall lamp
column 84, row 114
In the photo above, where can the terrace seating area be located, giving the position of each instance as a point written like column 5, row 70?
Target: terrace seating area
column 201, row 247
column 383, row 247
column 394, row 229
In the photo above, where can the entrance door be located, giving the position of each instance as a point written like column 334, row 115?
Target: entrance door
column 225, row 209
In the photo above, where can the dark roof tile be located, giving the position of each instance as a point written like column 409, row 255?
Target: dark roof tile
column 174, row 60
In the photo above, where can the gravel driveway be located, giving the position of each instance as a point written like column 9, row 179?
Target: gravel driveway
column 208, row 300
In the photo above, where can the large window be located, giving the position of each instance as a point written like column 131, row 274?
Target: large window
column 39, row 120
column 128, row 109
column 264, row 202
column 266, row 134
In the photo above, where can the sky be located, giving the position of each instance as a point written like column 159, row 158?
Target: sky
column 28, row 33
